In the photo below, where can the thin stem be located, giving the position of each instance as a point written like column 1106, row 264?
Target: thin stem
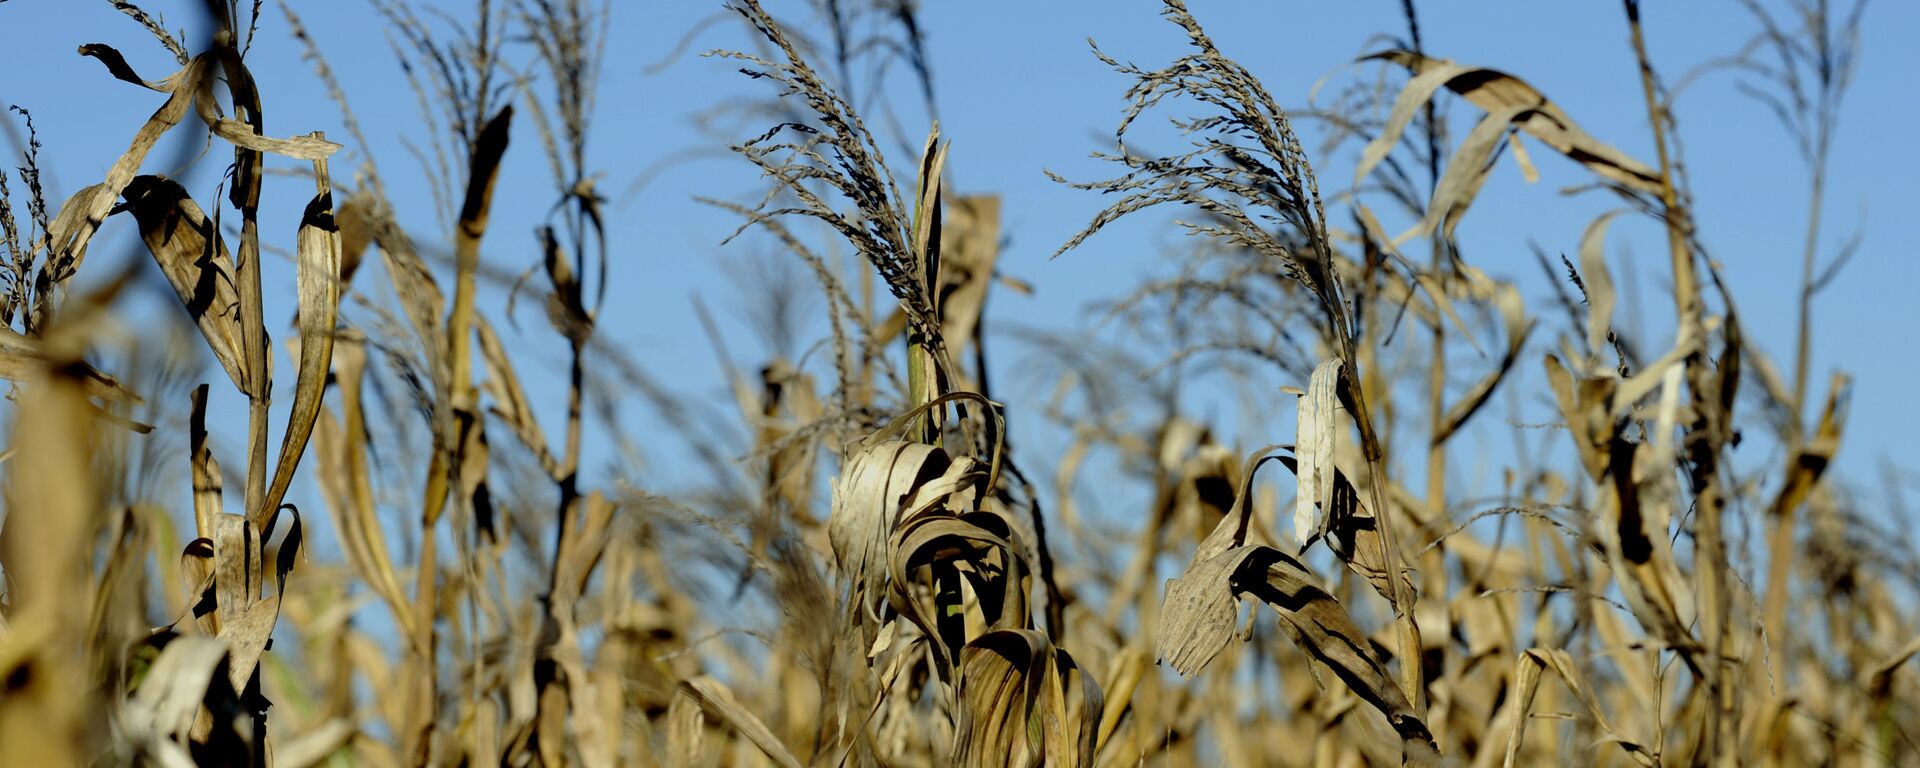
column 1703, row 442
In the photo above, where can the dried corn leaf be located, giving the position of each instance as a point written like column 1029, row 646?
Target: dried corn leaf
column 719, row 703
column 318, row 279
column 289, row 544
column 248, row 637
column 972, row 245
column 308, row 148
column 80, row 218
column 420, row 297
column 867, row 500
column 1526, row 678
column 1123, row 676
column 355, row 218
column 509, row 399
column 197, row 573
column 1201, row 606
column 1201, row 609
column 236, row 561
column 1467, row 170
column 1417, row 92
column 1495, row 92
column 686, row 730
column 118, row 67
column 1879, row 677
column 1024, row 702
column 1650, row 579
column 314, row 745
column 195, row 260
column 1320, row 626
column 946, row 539
column 1353, row 530
column 1810, row 461
column 344, row 460
column 170, row 696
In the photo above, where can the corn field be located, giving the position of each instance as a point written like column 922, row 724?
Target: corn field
column 314, row 464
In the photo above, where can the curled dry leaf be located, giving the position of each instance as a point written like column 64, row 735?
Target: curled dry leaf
column 206, row 471
column 1200, row 613
column 1320, row 626
column 344, row 461
column 1197, row 616
column 1201, row 609
column 996, row 568
column 309, row 148
column 189, row 88
column 1353, row 530
column 80, row 218
column 686, row 730
column 867, row 499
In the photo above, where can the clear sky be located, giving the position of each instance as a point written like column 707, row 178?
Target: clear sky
column 1018, row 92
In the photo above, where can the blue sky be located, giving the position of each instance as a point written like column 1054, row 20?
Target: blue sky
column 1019, row 92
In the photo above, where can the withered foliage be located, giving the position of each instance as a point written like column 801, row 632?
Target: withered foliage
column 876, row 574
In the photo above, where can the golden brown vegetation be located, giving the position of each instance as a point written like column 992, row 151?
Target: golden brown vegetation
column 927, row 595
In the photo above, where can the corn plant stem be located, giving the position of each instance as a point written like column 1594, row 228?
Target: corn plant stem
column 423, row 704
column 1406, row 628
column 1780, row 538
column 253, row 331
column 921, row 386
column 1703, row 447
column 1435, row 562
column 482, row 167
column 254, row 339
column 569, row 475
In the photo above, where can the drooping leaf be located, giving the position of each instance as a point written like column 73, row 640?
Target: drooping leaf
column 1200, row 610
column 195, row 260
column 719, row 702
column 1495, row 92
column 1319, row 625
column 318, row 278
column 1467, row 170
